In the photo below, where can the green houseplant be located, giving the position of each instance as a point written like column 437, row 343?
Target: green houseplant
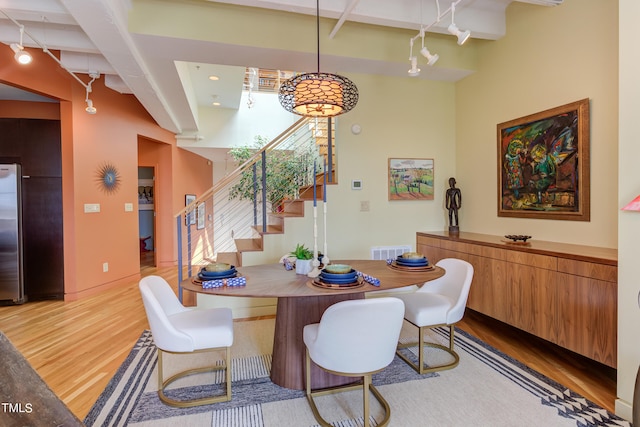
column 286, row 172
column 302, row 252
column 304, row 258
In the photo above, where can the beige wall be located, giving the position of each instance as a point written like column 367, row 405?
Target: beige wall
column 628, row 222
column 401, row 118
column 553, row 56
column 550, row 57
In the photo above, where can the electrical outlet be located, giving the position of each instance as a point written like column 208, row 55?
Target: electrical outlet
column 364, row 206
column 105, row 267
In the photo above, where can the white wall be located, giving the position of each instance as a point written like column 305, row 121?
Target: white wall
column 223, row 127
column 399, row 117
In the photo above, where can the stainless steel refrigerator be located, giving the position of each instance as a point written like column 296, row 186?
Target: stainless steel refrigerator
column 11, row 277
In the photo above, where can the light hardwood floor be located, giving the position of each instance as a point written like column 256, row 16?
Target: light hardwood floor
column 76, row 347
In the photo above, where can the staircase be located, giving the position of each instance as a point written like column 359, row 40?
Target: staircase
column 235, row 214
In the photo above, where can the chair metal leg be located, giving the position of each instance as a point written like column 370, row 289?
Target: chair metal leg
column 366, row 387
column 365, row 398
column 420, row 368
column 163, row 384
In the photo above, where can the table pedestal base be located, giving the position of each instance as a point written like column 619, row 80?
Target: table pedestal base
column 288, row 347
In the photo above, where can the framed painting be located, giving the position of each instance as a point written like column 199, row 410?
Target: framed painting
column 543, row 164
column 410, row 179
column 190, row 217
column 201, row 213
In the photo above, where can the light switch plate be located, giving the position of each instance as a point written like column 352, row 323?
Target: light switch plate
column 128, row 207
column 91, row 207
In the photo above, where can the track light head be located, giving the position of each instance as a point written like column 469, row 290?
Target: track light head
column 22, row 56
column 431, row 59
column 90, row 108
column 462, row 36
column 414, row 71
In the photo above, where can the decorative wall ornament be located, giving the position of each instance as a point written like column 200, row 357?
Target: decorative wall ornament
column 108, row 178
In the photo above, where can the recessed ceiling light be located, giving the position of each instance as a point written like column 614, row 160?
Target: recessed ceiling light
column 212, row 77
column 217, row 104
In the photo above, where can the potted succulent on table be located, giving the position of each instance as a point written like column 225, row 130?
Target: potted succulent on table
column 304, row 258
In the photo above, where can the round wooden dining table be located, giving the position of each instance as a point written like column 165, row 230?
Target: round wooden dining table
column 300, row 303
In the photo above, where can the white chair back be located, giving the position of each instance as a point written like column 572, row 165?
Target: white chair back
column 160, row 302
column 455, row 285
column 358, row 336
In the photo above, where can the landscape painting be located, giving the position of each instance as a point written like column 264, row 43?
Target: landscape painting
column 410, row 179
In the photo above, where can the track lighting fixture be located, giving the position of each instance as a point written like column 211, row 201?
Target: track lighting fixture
column 90, row 108
column 21, row 55
column 413, row 60
column 462, row 36
column 24, row 57
column 414, row 70
column 431, row 59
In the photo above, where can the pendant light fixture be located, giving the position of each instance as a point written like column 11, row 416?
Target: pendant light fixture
column 318, row 94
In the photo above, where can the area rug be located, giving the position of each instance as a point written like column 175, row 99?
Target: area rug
column 487, row 388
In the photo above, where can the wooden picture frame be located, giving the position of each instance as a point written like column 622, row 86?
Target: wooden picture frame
column 201, row 212
column 410, row 179
column 145, row 194
column 189, row 217
column 543, row 164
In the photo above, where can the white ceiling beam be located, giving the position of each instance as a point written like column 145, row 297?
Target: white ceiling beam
column 343, row 17
column 105, row 22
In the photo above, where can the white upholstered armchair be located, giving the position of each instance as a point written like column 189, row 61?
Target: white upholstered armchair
column 440, row 302
column 179, row 329
column 355, row 338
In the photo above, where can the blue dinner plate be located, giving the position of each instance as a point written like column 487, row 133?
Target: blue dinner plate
column 211, row 275
column 412, row 260
column 339, row 281
column 352, row 274
column 227, row 275
column 419, row 263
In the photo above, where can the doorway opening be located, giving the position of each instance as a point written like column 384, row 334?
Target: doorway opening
column 146, row 216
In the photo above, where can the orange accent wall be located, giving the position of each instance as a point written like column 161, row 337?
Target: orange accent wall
column 120, row 134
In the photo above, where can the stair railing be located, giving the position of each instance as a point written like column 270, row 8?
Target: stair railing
column 220, row 219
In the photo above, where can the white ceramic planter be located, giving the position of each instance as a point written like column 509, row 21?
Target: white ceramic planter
column 303, row 266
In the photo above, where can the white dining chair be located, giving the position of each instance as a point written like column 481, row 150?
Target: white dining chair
column 354, row 338
column 178, row 329
column 440, row 302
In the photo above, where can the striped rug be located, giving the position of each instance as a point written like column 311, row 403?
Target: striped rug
column 487, row 388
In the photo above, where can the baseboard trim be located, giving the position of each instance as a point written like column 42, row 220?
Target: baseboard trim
column 623, row 409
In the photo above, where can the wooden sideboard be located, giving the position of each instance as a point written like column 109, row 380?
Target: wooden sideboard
column 564, row 293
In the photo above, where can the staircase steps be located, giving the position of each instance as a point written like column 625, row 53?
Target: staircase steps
column 249, row 245
column 306, row 192
column 271, row 229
